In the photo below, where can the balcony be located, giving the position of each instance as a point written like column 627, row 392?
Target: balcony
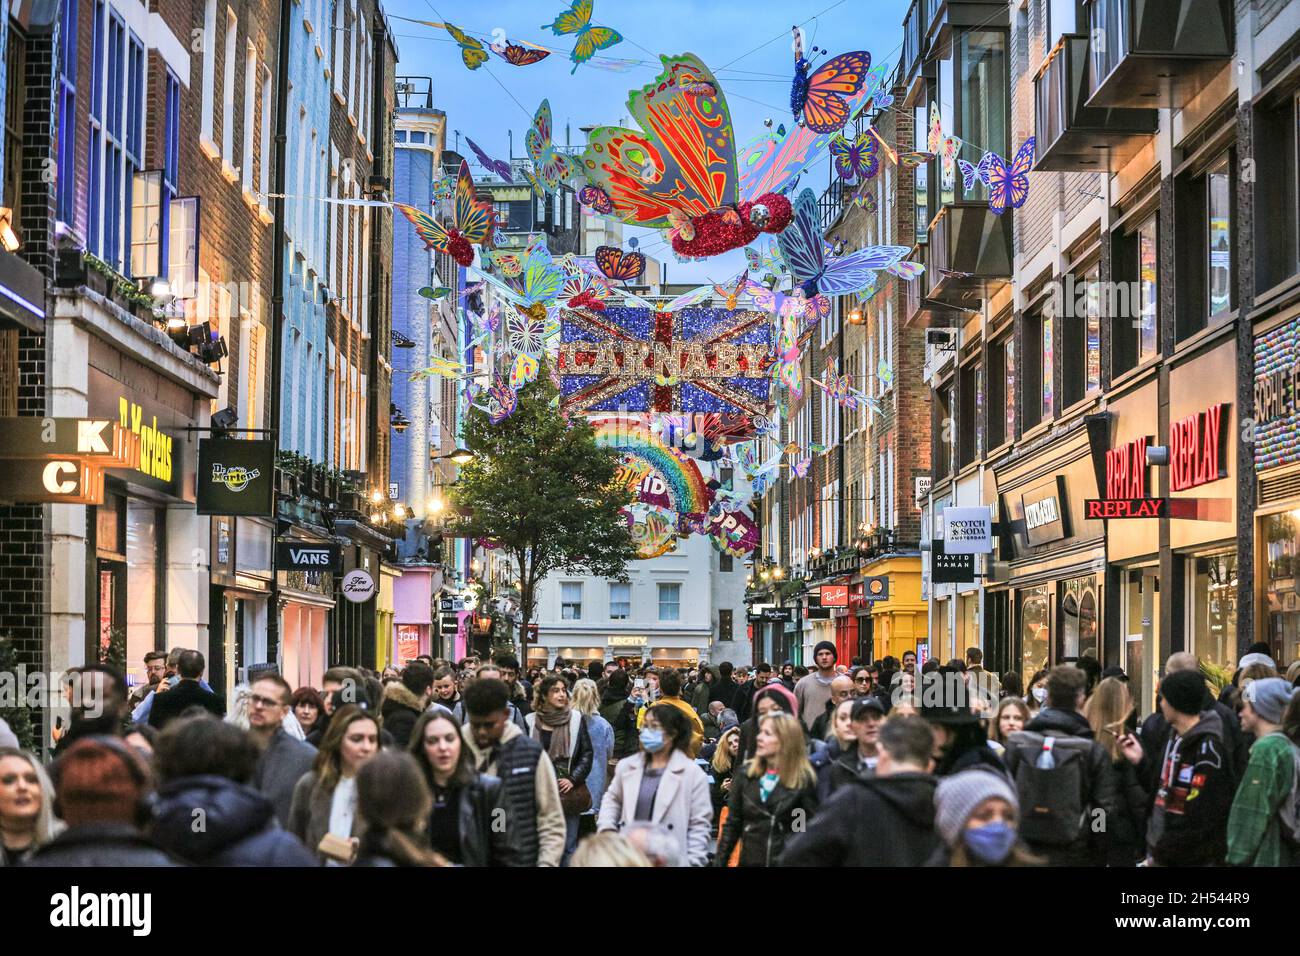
column 920, row 312
column 1072, row 135
column 1146, row 54
column 915, row 46
column 970, row 254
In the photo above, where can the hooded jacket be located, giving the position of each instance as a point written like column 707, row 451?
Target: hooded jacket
column 400, row 710
column 871, row 821
column 1189, row 821
column 238, row 825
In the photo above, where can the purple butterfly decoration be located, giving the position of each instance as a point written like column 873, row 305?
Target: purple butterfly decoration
column 498, row 166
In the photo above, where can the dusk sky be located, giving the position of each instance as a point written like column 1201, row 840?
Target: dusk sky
column 748, row 46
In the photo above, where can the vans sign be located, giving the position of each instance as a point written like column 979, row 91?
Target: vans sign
column 305, row 556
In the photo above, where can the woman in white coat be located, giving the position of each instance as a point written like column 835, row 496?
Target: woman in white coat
column 662, row 785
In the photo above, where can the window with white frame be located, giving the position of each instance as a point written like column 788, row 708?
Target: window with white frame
column 340, row 31
column 228, row 91
column 250, row 129
column 571, row 600
column 620, row 601
column 264, row 173
column 209, row 51
column 670, row 602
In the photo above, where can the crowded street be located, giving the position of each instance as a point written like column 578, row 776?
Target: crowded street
column 578, row 434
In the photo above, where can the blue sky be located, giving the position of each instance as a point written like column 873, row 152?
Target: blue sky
column 751, row 38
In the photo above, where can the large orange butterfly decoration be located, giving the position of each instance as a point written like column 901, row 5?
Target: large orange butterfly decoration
column 817, row 96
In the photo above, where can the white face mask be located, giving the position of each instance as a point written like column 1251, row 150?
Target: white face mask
column 1040, row 694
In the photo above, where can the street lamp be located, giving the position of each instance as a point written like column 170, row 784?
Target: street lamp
column 461, row 456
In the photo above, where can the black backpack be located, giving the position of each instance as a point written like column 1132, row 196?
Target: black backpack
column 1053, row 811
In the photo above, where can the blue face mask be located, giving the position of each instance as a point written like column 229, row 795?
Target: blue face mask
column 652, row 739
column 991, row 844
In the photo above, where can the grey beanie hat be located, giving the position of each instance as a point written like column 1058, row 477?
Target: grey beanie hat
column 957, row 797
column 1268, row 697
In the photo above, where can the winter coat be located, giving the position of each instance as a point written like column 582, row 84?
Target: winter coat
column 1255, row 835
column 309, row 814
column 482, row 843
column 621, row 716
column 725, row 690
column 871, row 821
column 1128, row 825
column 682, row 805
column 743, row 702
column 101, row 844
column 400, row 710
column 697, row 726
column 835, row 767
column 170, row 705
column 577, row 766
column 1098, row 781
column 1189, row 821
column 238, row 825
column 1155, row 732
column 602, row 747
column 529, row 795
column 702, row 692
column 279, row 769
column 763, row 827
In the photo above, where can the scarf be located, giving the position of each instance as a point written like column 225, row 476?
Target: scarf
column 557, row 722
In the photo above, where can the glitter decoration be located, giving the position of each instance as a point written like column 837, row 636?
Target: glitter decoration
column 1277, row 404
column 730, row 228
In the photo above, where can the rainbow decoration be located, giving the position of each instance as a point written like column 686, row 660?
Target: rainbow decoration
column 687, row 492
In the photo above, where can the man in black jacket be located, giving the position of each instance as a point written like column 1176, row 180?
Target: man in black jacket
column 405, row 700
column 1155, row 731
column 186, row 694
column 884, row 820
column 744, row 699
column 724, row 689
column 1060, row 731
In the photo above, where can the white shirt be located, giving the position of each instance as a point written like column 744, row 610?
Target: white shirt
column 343, row 808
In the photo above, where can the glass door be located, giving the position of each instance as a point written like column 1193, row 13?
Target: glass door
column 1141, row 614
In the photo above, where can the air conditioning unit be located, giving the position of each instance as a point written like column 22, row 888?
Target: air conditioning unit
column 941, row 340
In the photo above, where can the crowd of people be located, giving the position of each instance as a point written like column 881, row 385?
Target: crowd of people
column 477, row 763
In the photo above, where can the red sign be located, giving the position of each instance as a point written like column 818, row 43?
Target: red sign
column 835, row 595
column 1196, row 449
column 1126, row 470
column 1125, row 507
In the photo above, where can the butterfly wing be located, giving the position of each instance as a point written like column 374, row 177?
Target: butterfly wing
column 551, row 167
column 542, row 278
column 999, row 184
column 428, row 228
column 936, row 128
column 968, row 175
column 868, row 156
column 801, row 241
column 1019, row 173
column 915, row 159
column 498, row 166
column 683, row 156
column 577, row 17
column 473, row 218
column 855, row 271
column 596, row 198
column 906, row 270
column 844, row 156
column 518, row 55
column 982, row 170
column 824, row 109
column 589, row 41
column 471, row 50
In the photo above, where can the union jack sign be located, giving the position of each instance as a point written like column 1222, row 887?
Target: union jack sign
column 692, row 360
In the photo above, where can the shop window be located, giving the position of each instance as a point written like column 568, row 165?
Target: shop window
column 970, row 428
column 1134, row 296
column 983, row 102
column 1035, row 631
column 1081, row 346
column 1277, row 190
column 571, row 601
column 620, row 601
column 1205, row 285
column 1213, row 614
column 968, row 629
column 1280, row 535
column 1078, row 637
column 670, row 602
column 144, row 550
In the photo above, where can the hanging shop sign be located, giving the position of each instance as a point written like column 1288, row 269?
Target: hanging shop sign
column 1277, row 396
column 835, row 595
column 923, row 489
column 948, row 568
column 774, row 614
column 1126, row 470
column 968, row 530
column 70, row 481
column 236, row 477
column 1044, row 510
column 1196, row 449
column 875, row 588
column 358, row 586
column 814, row 613
column 304, row 556
column 99, row 441
column 692, row 360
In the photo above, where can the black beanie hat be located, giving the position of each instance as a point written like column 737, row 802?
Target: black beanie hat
column 825, row 646
column 1184, row 691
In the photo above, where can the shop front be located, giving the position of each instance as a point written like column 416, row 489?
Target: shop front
column 307, row 568
column 675, row 649
column 1054, row 585
column 240, row 599
column 891, row 592
column 385, row 615
column 413, row 604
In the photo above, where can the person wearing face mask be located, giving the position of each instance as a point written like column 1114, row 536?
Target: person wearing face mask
column 663, row 785
column 976, row 815
column 1037, row 695
column 27, row 820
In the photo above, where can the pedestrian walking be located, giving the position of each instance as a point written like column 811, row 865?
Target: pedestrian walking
column 393, row 805
column 282, row 759
column 308, row 708
column 27, row 820
column 1012, row 715
column 725, row 761
column 839, row 761
column 323, row 811
column 562, row 730
column 669, row 692
column 773, row 697
column 586, row 701
column 813, row 691
column 975, row 814
column 1263, row 824
column 619, row 712
column 405, row 700
column 663, row 785
column 187, row 693
column 1111, row 714
column 773, row 796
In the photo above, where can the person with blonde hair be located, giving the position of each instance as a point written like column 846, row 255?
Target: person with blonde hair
column 1111, row 714
column 27, row 820
column 608, row 849
column 726, row 760
column 776, row 795
column 586, row 701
